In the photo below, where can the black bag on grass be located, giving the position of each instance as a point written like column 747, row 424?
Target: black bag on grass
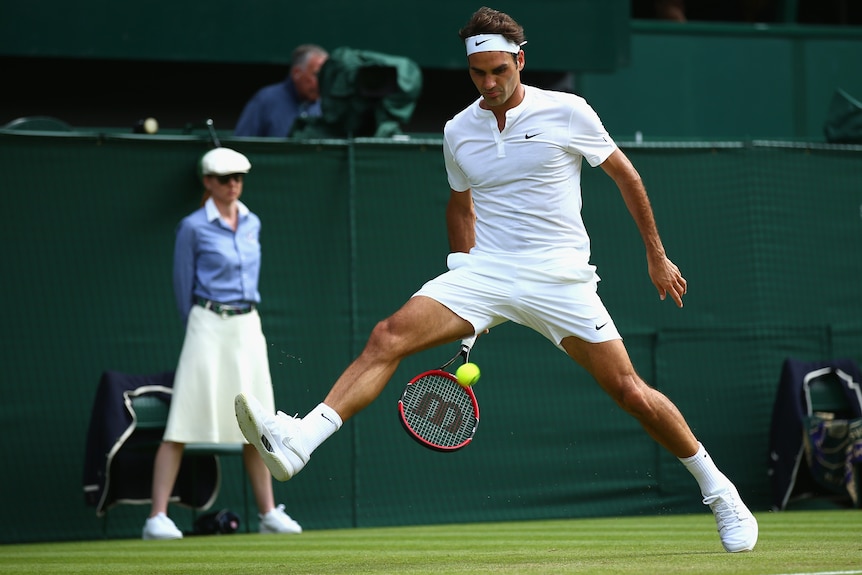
column 222, row 522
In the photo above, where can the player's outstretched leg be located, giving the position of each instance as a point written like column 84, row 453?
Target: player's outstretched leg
column 276, row 437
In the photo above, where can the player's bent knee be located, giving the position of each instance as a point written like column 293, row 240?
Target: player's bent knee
column 633, row 398
column 384, row 341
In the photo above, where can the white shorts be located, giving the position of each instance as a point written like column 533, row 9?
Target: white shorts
column 221, row 357
column 556, row 297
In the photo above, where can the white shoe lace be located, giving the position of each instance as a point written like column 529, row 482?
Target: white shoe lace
column 736, row 526
column 724, row 511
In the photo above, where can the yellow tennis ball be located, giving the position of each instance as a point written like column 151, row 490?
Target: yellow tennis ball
column 151, row 125
column 467, row 374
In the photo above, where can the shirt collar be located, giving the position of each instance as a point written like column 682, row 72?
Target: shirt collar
column 290, row 86
column 212, row 210
column 480, row 112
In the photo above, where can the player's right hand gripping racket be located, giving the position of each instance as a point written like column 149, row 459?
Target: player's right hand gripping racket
column 437, row 411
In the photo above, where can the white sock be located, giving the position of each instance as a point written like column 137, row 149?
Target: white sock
column 318, row 425
column 703, row 468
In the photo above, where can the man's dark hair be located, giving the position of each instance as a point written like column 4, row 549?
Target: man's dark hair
column 489, row 21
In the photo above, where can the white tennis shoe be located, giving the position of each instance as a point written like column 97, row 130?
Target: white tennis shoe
column 737, row 527
column 161, row 527
column 277, row 521
column 276, row 437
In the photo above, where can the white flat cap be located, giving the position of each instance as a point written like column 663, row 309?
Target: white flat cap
column 224, row 161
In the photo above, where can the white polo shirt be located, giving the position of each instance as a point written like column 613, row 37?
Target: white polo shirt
column 526, row 180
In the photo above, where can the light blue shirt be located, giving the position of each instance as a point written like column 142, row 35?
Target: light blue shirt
column 213, row 262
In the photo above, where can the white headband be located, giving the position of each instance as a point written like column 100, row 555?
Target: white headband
column 491, row 43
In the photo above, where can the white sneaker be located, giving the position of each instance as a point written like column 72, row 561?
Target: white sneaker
column 277, row 521
column 737, row 527
column 161, row 527
column 276, row 437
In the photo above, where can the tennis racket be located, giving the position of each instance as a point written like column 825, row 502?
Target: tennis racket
column 437, row 411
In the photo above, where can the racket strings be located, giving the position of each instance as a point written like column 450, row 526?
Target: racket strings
column 439, row 410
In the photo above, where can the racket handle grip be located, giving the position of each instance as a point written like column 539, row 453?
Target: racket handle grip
column 467, row 343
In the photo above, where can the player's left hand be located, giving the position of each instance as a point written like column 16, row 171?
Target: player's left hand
column 667, row 278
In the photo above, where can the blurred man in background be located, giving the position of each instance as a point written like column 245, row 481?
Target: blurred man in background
column 273, row 109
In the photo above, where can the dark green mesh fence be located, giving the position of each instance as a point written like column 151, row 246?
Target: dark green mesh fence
column 769, row 237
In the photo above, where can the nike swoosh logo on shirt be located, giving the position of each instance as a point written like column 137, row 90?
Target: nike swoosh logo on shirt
column 529, row 136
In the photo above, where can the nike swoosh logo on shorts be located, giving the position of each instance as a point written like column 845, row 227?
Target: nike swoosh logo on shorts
column 598, row 327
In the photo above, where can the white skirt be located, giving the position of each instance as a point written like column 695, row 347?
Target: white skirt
column 221, row 357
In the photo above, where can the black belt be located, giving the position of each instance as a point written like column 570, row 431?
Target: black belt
column 224, row 309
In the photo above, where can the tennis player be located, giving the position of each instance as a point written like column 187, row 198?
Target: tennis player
column 519, row 252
